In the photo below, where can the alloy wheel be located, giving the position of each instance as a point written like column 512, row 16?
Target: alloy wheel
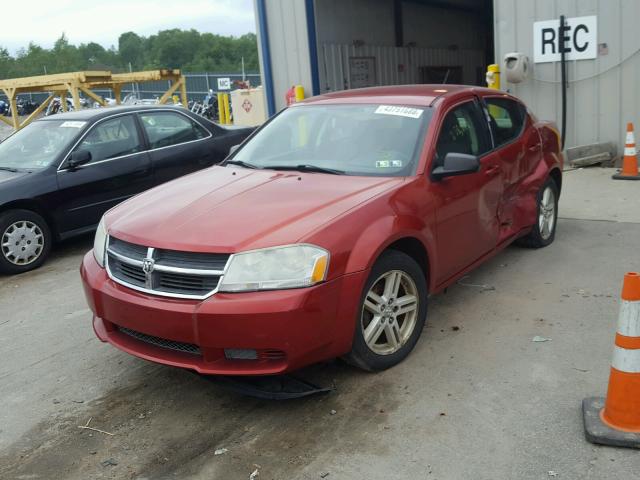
column 22, row 242
column 547, row 213
column 389, row 312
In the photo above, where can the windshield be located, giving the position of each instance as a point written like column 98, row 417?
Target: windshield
column 370, row 140
column 38, row 144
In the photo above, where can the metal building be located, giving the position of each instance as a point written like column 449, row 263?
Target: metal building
column 328, row 45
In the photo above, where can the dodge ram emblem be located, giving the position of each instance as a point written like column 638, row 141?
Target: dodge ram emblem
column 148, row 265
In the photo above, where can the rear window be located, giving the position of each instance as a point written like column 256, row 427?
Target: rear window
column 507, row 119
column 167, row 128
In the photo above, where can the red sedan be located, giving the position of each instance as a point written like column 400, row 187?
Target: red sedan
column 323, row 235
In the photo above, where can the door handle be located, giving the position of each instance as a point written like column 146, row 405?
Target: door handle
column 492, row 170
column 533, row 148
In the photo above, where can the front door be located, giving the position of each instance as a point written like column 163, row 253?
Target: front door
column 119, row 168
column 467, row 212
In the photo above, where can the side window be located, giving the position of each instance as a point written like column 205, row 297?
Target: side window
column 112, row 138
column 461, row 132
column 506, row 118
column 168, row 128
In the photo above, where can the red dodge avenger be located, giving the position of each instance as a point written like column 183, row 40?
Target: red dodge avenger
column 324, row 233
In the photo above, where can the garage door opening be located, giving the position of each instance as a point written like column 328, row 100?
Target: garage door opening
column 364, row 43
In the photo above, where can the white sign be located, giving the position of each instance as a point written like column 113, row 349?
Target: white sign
column 580, row 36
column 399, row 111
column 224, row 83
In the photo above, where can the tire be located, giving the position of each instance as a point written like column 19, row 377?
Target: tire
column 405, row 327
column 21, row 251
column 543, row 234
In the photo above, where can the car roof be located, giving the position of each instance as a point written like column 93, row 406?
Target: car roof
column 97, row 113
column 419, row 95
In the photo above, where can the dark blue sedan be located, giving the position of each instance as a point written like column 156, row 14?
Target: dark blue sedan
column 59, row 174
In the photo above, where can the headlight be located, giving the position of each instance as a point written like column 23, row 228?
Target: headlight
column 291, row 266
column 100, row 243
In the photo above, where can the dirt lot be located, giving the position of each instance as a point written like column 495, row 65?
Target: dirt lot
column 5, row 130
column 476, row 399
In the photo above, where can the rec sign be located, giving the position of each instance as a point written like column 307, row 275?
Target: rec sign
column 580, row 36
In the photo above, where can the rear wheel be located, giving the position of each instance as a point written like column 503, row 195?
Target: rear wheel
column 25, row 241
column 544, row 231
column 393, row 309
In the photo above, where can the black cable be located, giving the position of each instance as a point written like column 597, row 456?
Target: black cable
column 563, row 77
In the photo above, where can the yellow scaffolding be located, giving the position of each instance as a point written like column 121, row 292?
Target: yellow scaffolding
column 117, row 80
column 75, row 82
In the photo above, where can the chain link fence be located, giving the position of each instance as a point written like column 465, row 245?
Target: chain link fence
column 198, row 85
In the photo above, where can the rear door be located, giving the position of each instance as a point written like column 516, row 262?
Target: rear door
column 518, row 146
column 178, row 144
column 119, row 168
column 466, row 217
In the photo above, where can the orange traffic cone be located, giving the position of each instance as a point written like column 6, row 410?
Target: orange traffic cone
column 616, row 421
column 630, row 161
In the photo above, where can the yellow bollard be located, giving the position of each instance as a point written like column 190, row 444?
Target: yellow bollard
column 299, row 91
column 227, row 111
column 220, row 109
column 493, row 76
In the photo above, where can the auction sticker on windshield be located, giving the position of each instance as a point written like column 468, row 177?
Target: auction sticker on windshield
column 72, row 124
column 399, row 111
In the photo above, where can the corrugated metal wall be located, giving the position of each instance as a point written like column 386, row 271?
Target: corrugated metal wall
column 289, row 46
column 603, row 93
column 334, row 63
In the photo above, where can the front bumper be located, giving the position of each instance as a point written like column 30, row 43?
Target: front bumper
column 288, row 329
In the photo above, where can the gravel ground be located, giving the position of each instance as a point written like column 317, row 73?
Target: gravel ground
column 5, row 130
column 476, row 399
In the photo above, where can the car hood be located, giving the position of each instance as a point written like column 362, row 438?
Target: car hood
column 6, row 176
column 226, row 210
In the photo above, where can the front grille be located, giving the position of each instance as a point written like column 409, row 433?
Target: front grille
column 127, row 272
column 162, row 342
column 181, row 283
column 170, row 273
column 127, row 249
column 205, row 261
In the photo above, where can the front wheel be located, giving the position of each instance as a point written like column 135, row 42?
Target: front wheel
column 393, row 309
column 544, row 231
column 25, row 241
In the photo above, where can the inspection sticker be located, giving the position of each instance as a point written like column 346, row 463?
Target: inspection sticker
column 74, row 124
column 388, row 163
column 399, row 111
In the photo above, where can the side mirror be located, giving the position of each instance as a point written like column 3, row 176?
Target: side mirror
column 456, row 164
column 233, row 149
column 79, row 158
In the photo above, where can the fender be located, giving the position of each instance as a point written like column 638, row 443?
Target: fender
column 34, row 205
column 382, row 233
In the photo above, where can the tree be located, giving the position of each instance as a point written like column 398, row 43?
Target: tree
column 131, row 50
column 188, row 50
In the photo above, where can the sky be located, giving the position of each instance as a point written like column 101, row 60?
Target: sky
column 43, row 21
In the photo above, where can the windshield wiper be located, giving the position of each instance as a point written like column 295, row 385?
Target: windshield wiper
column 10, row 169
column 241, row 164
column 305, row 168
